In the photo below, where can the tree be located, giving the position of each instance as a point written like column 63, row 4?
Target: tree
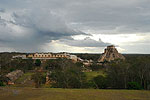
column 134, row 86
column 95, row 67
column 38, row 79
column 38, row 62
column 22, row 64
column 117, row 74
column 100, row 82
column 140, row 71
column 53, row 64
column 134, row 69
column 3, row 80
column 66, row 74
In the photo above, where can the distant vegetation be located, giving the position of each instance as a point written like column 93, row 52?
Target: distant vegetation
column 87, row 56
column 133, row 73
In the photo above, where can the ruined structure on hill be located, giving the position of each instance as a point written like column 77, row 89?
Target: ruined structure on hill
column 13, row 76
column 110, row 54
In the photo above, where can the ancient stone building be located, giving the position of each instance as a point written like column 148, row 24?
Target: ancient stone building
column 47, row 55
column 110, row 53
column 53, row 56
column 13, row 76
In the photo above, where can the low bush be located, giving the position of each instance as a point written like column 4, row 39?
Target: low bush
column 100, row 82
column 134, row 86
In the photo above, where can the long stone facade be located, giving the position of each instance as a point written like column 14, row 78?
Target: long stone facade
column 52, row 56
column 110, row 53
column 44, row 56
column 47, row 55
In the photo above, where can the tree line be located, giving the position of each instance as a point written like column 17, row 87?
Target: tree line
column 133, row 73
column 128, row 74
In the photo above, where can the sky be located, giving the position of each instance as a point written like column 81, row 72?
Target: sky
column 77, row 26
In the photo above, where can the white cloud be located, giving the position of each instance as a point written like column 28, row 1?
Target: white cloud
column 57, row 46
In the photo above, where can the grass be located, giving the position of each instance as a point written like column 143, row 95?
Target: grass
column 25, row 76
column 9, row 93
column 92, row 74
column 24, row 81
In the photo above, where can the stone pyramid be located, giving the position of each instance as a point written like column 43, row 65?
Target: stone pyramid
column 110, row 54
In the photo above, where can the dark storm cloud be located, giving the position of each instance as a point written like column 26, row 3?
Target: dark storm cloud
column 125, row 16
column 33, row 28
column 31, row 23
column 87, row 42
column 129, row 16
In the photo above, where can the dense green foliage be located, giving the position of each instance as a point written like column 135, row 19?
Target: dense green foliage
column 38, row 62
column 13, row 64
column 133, row 85
column 65, row 74
column 3, row 80
column 87, row 56
column 132, row 70
column 95, row 67
column 100, row 82
column 38, row 78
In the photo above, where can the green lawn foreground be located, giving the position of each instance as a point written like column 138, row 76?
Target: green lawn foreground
column 9, row 93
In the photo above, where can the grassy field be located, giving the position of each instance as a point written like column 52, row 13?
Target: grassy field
column 24, row 81
column 25, row 76
column 93, row 74
column 71, row 94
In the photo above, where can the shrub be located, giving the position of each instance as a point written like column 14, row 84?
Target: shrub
column 134, row 86
column 38, row 79
column 95, row 67
column 1, row 83
column 38, row 62
column 90, row 84
column 66, row 74
column 100, row 82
